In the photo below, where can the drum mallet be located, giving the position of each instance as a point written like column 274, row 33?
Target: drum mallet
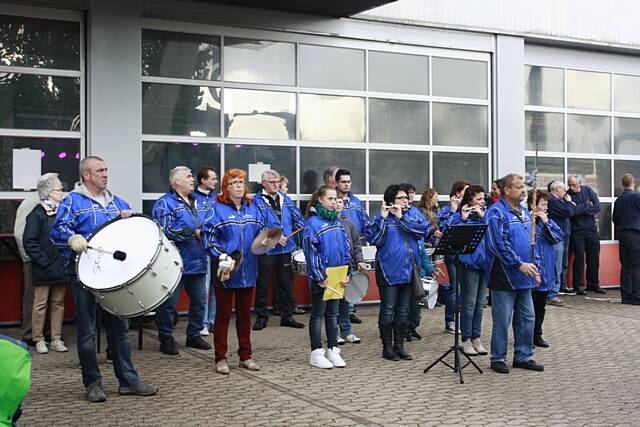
column 119, row 255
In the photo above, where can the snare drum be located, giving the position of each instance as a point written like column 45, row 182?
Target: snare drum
column 369, row 255
column 430, row 286
column 436, row 260
column 298, row 262
column 149, row 274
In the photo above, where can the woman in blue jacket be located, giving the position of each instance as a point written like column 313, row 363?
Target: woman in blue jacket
column 396, row 236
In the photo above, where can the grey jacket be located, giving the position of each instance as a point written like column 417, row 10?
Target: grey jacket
column 355, row 245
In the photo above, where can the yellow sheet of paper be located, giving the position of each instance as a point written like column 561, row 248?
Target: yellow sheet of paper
column 335, row 276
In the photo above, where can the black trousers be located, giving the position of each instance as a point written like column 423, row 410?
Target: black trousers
column 283, row 284
column 539, row 304
column 585, row 242
column 630, row 260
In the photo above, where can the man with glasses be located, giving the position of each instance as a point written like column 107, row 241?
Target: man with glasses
column 561, row 210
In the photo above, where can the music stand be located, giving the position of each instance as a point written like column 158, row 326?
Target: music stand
column 458, row 240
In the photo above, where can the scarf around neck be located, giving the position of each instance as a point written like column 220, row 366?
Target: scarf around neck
column 325, row 213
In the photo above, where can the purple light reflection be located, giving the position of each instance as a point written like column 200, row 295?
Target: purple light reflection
column 62, row 155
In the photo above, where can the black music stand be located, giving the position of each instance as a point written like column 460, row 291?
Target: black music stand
column 458, row 240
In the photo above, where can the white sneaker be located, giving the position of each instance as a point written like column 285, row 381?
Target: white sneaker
column 468, row 349
column 333, row 354
column 479, row 348
column 204, row 332
column 318, row 360
column 41, row 347
column 58, row 345
column 340, row 340
column 352, row 339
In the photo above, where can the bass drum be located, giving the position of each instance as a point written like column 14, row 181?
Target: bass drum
column 141, row 282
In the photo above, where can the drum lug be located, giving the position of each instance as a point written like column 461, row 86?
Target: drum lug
column 153, row 273
column 141, row 305
column 130, row 291
column 177, row 263
column 166, row 249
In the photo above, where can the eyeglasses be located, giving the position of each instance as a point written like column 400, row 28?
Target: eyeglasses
column 273, row 182
column 239, row 182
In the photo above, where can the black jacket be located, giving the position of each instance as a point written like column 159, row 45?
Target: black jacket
column 47, row 263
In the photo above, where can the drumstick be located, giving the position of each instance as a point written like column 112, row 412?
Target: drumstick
column 119, row 255
column 295, row 232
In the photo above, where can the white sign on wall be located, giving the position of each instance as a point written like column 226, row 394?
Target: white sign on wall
column 26, row 168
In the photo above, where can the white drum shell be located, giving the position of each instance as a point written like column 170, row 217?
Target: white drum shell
column 298, row 262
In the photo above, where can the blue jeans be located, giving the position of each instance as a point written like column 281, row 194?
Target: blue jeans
column 558, row 251
column 415, row 315
column 117, row 340
column 450, row 292
column 394, row 304
column 344, row 310
column 327, row 310
column 210, row 307
column 473, row 291
column 196, row 290
column 505, row 305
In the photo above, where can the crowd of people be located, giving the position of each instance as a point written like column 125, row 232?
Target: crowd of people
column 522, row 260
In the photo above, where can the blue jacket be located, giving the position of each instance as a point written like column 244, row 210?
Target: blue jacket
column 80, row 213
column 325, row 244
column 584, row 213
column 290, row 221
column 547, row 235
column 205, row 201
column 229, row 230
column 507, row 243
column 396, row 241
column 561, row 212
column 477, row 259
column 179, row 222
column 443, row 217
column 626, row 211
column 356, row 213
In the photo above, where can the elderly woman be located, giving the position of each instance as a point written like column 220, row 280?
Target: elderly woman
column 47, row 271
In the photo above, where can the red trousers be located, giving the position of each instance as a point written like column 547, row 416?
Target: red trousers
column 224, row 304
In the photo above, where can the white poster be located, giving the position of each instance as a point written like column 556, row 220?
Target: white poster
column 256, row 169
column 26, row 168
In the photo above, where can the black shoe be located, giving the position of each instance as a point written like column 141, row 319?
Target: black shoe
column 290, row 322
column 580, row 291
column 631, row 301
column 415, row 334
column 198, row 342
column 530, row 365
column 299, row 310
column 399, row 335
column 95, row 393
column 138, row 389
column 260, row 324
column 539, row 342
column 500, row 367
column 169, row 346
column 597, row 290
column 386, row 334
column 354, row 319
column 567, row 291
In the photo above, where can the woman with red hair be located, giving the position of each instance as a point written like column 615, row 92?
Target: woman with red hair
column 232, row 225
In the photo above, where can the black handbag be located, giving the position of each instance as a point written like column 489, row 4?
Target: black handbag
column 417, row 289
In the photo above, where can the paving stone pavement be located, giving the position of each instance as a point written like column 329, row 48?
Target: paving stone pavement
column 591, row 377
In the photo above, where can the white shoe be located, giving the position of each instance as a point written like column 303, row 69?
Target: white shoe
column 340, row 340
column 58, row 345
column 468, row 349
column 352, row 339
column 478, row 347
column 204, row 332
column 41, row 347
column 318, row 360
column 333, row 354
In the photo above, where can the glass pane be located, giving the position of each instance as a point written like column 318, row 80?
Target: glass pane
column 627, row 136
column 259, row 61
column 544, row 129
column 626, row 91
column 620, row 167
column 451, row 167
column 147, row 207
column 388, row 120
column 588, row 134
column 331, row 67
column 185, row 56
column 543, row 86
column 374, row 207
column 281, row 159
column 395, row 167
column 603, row 221
column 399, row 73
column 39, row 102
column 459, row 78
column 313, row 162
column 331, row 118
column 459, row 125
column 594, row 173
column 259, row 114
column 589, row 90
column 180, row 110
column 549, row 169
column 158, row 158
column 8, row 210
column 40, row 43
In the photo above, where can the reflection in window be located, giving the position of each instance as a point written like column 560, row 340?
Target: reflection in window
column 627, row 136
column 399, row 73
column 544, row 86
column 259, row 114
column 259, row 61
column 459, row 125
column 158, row 158
column 603, row 221
column 281, row 159
column 395, row 167
column 180, row 110
column 388, row 121
column 621, row 167
column 39, row 102
column 374, row 208
column 546, row 130
column 588, row 134
column 8, row 210
column 41, row 43
column 187, row 56
column 549, row 169
column 588, row 90
column 459, row 78
column 594, row 173
column 626, row 91
column 313, row 162
column 331, row 67
column 451, row 167
column 331, row 118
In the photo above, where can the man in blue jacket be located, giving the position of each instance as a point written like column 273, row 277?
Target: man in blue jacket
column 178, row 215
column 561, row 209
column 626, row 217
column 510, row 270
column 584, row 236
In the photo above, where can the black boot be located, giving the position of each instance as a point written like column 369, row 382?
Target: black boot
column 399, row 335
column 386, row 333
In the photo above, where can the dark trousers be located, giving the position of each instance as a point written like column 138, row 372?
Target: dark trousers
column 284, row 281
column 630, row 260
column 539, row 304
column 585, row 242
